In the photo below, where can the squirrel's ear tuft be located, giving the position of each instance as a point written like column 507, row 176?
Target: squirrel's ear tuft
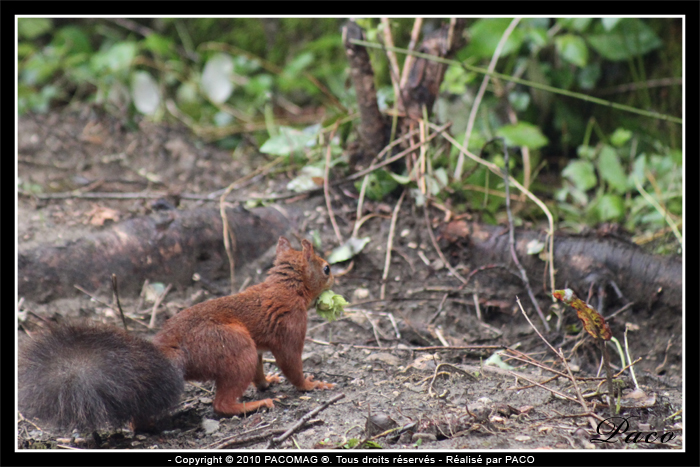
column 307, row 248
column 283, row 245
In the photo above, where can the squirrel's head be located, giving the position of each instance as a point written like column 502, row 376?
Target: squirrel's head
column 315, row 270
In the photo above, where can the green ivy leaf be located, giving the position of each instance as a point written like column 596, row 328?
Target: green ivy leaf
column 574, row 24
column 630, row 38
column 379, row 184
column 31, row 28
column 585, row 152
column 260, row 85
column 676, row 156
column 638, row 170
column 495, row 360
column 158, row 44
column 455, row 81
column 610, row 23
column 116, row 58
column 611, row 170
column 588, row 76
column 347, row 250
column 537, row 36
column 620, row 137
column 485, row 35
column 572, row 49
column 299, row 62
column 72, row 40
column 287, row 142
column 400, row 179
column 187, row 93
column 523, row 134
column 24, row 50
column 309, row 177
column 610, row 208
column 519, row 100
column 581, row 174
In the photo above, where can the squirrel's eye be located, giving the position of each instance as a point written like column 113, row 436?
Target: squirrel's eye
column 326, row 269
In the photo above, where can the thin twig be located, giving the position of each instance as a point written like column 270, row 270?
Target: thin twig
column 93, row 297
column 391, row 55
column 439, row 310
column 237, row 441
column 294, row 428
column 517, row 355
column 477, row 307
column 561, row 357
column 359, row 219
column 23, row 418
column 408, row 61
column 483, row 268
column 438, row 130
column 360, row 202
column 608, row 376
column 661, row 210
column 441, row 338
column 420, row 167
column 389, row 244
column 623, row 308
column 325, row 187
column 432, row 347
column 629, row 359
column 374, row 328
column 480, row 94
column 229, row 237
column 652, row 83
column 393, row 324
column 156, row 304
column 629, row 365
column 437, row 247
column 146, row 31
column 534, row 327
column 437, row 372
column 497, row 170
column 115, row 294
column 542, row 386
column 581, row 400
column 511, row 241
column 521, row 388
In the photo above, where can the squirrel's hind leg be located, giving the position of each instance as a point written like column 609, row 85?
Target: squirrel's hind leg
column 238, row 369
column 229, row 389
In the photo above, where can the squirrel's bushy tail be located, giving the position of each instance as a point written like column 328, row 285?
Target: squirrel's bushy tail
column 88, row 376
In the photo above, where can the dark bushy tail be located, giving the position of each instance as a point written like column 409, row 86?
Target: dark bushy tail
column 89, row 377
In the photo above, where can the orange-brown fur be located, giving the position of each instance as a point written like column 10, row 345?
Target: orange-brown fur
column 219, row 340
column 223, row 339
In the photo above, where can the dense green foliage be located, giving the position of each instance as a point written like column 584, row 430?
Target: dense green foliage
column 267, row 77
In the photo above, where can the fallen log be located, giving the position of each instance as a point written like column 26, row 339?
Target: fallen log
column 580, row 262
column 166, row 246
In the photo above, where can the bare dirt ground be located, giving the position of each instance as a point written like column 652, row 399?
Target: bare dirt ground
column 385, row 356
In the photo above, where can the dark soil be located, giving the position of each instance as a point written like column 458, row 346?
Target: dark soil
column 443, row 398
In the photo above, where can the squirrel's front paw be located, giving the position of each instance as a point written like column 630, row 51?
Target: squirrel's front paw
column 273, row 378
column 310, row 385
column 265, row 381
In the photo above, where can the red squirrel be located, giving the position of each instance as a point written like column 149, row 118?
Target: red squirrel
column 89, row 376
